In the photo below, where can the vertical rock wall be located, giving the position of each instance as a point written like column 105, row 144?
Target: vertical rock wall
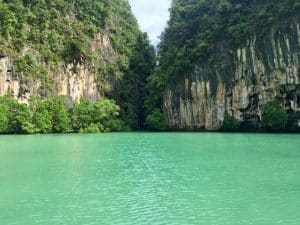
column 240, row 82
column 74, row 80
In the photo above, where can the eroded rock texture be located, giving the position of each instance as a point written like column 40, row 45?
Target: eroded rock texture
column 240, row 82
column 75, row 80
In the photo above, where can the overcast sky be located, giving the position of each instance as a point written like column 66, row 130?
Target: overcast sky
column 152, row 16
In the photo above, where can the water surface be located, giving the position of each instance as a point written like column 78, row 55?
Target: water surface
column 150, row 178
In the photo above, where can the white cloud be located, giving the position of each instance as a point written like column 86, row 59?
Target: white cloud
column 152, row 16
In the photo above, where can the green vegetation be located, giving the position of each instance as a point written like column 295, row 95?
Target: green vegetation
column 155, row 89
column 230, row 123
column 17, row 117
column 92, row 128
column 274, row 116
column 203, row 32
column 81, row 115
column 54, row 116
column 196, row 26
column 60, row 30
column 155, row 120
column 43, row 36
column 293, row 121
column 197, row 29
column 105, row 114
column 133, row 86
column 59, row 115
column 3, row 117
column 41, row 116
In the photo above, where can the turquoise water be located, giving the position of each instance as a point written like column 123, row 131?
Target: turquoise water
column 150, row 178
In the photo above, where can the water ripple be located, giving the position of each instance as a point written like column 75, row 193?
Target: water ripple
column 155, row 179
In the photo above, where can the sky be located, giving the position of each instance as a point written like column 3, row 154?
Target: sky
column 152, row 16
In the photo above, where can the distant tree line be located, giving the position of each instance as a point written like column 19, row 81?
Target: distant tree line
column 54, row 116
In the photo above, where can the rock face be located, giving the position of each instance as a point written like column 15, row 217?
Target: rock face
column 74, row 81
column 240, row 82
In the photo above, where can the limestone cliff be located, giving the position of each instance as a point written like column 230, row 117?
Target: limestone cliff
column 76, row 49
column 73, row 80
column 240, row 81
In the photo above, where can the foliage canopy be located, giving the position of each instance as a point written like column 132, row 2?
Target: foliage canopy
column 274, row 116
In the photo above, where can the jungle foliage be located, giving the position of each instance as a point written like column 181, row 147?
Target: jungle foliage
column 230, row 123
column 197, row 26
column 197, row 29
column 54, row 116
column 274, row 117
column 43, row 36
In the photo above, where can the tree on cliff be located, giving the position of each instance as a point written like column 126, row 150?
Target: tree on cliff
column 230, row 123
column 196, row 26
column 199, row 33
column 3, row 116
column 133, row 87
column 155, row 119
column 274, row 116
column 43, row 36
